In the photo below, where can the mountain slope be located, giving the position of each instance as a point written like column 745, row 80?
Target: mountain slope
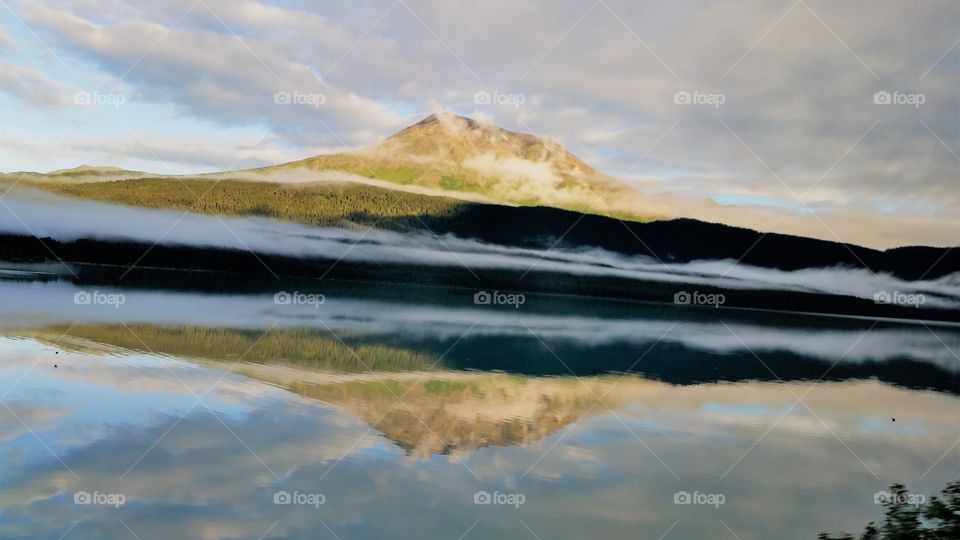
column 82, row 173
column 459, row 154
column 93, row 170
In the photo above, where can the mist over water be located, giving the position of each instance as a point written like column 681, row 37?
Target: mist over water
column 53, row 303
column 29, row 212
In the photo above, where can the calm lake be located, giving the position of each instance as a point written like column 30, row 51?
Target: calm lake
column 359, row 412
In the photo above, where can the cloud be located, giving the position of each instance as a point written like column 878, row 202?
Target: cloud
column 798, row 81
column 207, row 71
column 208, row 154
column 33, row 86
column 7, row 42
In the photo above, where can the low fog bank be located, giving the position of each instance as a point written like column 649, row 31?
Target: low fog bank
column 29, row 212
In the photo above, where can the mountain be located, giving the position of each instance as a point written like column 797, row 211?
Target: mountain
column 81, row 173
column 459, row 154
column 92, row 170
column 444, row 154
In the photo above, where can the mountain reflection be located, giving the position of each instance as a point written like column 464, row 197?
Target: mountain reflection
column 126, row 421
column 421, row 398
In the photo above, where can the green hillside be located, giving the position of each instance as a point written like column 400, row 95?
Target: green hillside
column 325, row 204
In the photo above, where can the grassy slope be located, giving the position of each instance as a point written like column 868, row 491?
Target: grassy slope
column 323, row 204
column 446, row 178
column 333, row 204
column 300, row 347
column 389, row 170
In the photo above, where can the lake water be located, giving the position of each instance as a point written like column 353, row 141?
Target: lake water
column 415, row 413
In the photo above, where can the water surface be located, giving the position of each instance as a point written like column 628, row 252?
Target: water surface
column 402, row 410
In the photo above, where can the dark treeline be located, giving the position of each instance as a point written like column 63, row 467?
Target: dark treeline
column 684, row 240
column 206, row 268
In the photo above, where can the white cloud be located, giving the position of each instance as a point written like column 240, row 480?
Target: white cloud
column 7, row 42
column 211, row 73
column 34, row 87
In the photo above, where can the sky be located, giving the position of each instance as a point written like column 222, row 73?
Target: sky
column 839, row 120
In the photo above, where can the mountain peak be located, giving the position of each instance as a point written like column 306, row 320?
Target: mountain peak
column 444, row 120
column 449, row 137
column 447, row 117
column 456, row 153
column 437, row 116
